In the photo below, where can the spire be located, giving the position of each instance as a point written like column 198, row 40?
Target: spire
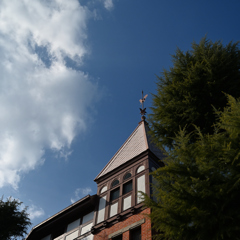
column 143, row 110
column 138, row 142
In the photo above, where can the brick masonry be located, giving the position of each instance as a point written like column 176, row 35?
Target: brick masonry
column 145, row 227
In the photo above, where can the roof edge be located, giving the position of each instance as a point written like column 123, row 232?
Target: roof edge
column 60, row 212
column 126, row 164
column 98, row 176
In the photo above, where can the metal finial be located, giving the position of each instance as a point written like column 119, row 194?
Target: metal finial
column 143, row 110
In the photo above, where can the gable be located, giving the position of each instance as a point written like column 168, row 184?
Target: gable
column 138, row 142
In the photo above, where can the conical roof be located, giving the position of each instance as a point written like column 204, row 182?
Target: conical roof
column 138, row 142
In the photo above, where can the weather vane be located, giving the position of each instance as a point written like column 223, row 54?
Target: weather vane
column 143, row 110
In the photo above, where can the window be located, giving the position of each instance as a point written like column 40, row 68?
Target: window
column 73, row 225
column 140, row 187
column 126, row 176
column 135, row 234
column 114, row 194
column 119, row 237
column 153, row 169
column 47, row 238
column 75, row 229
column 140, row 169
column 104, row 189
column 127, row 187
column 115, row 182
column 88, row 217
column 101, row 209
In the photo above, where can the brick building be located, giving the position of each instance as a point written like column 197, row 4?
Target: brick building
column 116, row 212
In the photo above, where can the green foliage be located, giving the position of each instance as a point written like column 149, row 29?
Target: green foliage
column 198, row 191
column 13, row 220
column 188, row 91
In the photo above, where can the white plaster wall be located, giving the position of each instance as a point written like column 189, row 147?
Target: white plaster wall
column 72, row 235
column 114, row 209
column 89, row 237
column 104, row 189
column 127, row 202
column 140, row 169
column 101, row 209
column 86, row 228
column 140, row 187
column 58, row 238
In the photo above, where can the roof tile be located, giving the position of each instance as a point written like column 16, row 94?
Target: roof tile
column 138, row 142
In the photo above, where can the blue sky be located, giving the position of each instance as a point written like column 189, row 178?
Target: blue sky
column 72, row 73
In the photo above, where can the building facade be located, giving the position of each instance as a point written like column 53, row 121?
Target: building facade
column 116, row 211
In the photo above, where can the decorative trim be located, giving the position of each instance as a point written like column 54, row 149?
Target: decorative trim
column 113, row 220
column 121, row 231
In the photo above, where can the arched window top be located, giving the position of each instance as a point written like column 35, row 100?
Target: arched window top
column 115, row 182
column 140, row 169
column 153, row 169
column 127, row 175
column 104, row 189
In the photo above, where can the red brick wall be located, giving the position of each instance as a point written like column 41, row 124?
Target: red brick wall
column 145, row 227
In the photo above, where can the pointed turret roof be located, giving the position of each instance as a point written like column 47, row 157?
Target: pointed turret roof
column 138, row 142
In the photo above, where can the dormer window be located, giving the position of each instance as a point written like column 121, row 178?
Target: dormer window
column 127, row 187
column 114, row 194
column 115, row 183
column 123, row 191
column 104, row 189
column 127, row 175
column 140, row 169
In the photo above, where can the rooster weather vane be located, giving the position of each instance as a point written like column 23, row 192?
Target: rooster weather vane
column 143, row 110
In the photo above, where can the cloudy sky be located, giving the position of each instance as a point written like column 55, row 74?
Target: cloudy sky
column 71, row 75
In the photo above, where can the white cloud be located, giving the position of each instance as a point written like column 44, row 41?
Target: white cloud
column 35, row 212
column 43, row 104
column 81, row 192
column 108, row 4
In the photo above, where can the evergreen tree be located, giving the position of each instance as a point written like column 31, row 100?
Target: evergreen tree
column 198, row 191
column 195, row 83
column 13, row 220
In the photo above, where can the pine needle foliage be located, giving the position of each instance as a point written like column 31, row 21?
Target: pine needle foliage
column 187, row 92
column 14, row 220
column 198, row 191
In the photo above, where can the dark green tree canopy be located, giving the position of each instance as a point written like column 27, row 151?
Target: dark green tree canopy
column 198, row 191
column 187, row 92
column 14, row 221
